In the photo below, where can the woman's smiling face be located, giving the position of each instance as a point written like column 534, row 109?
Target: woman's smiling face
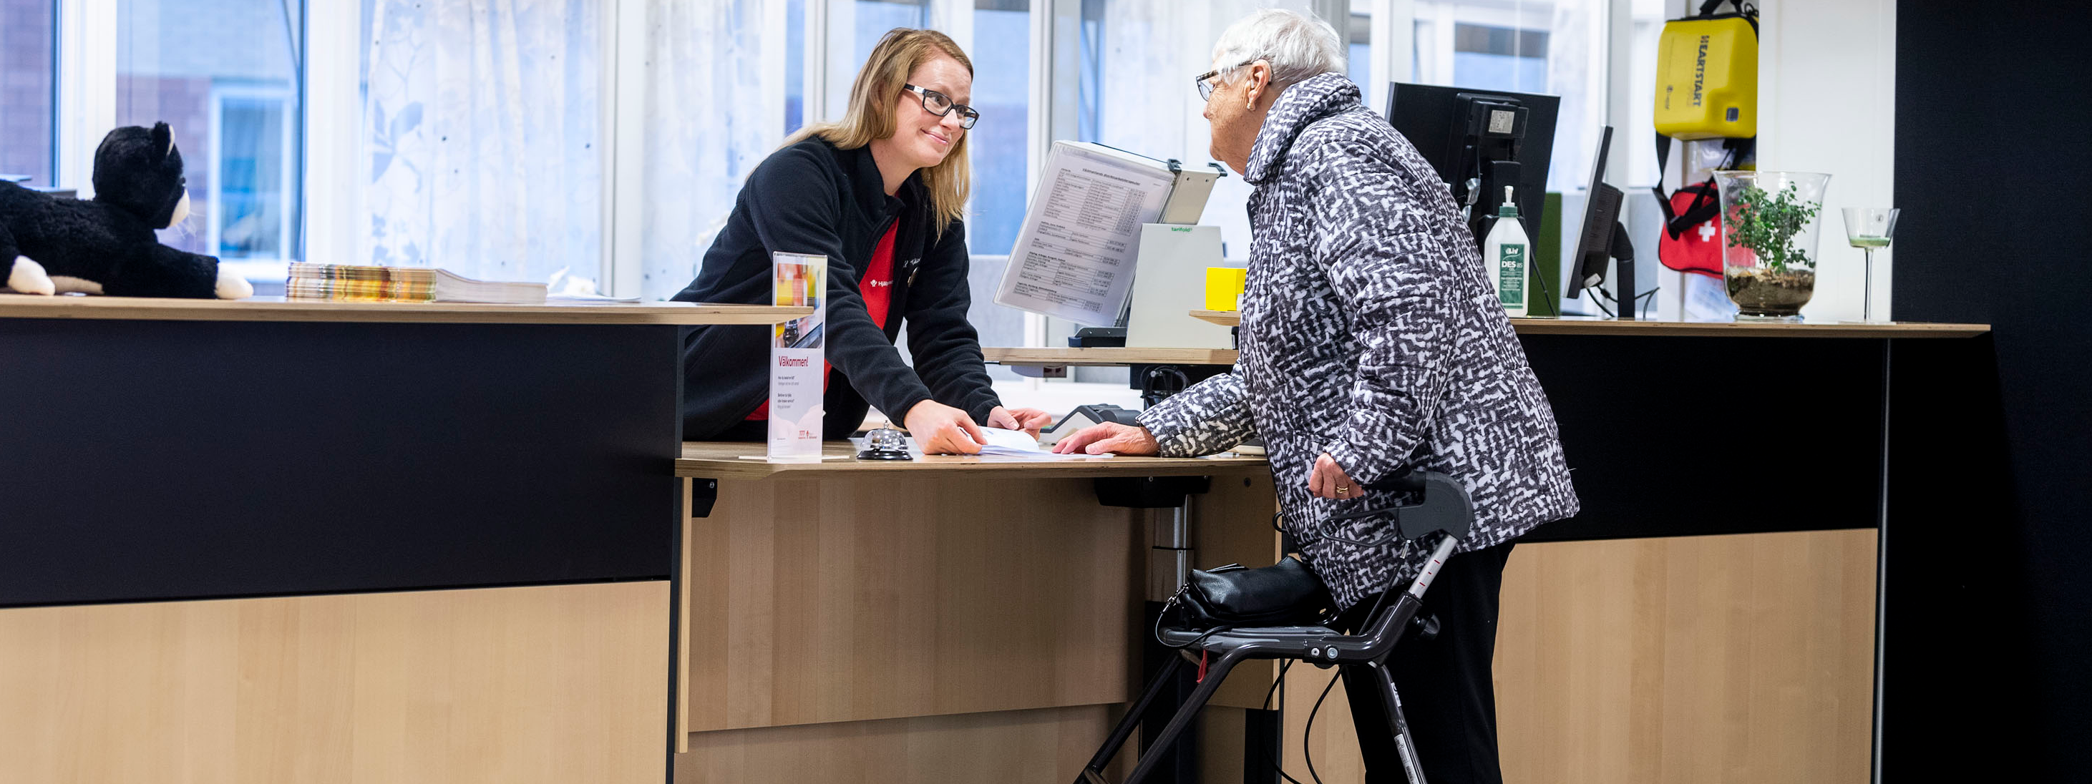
column 922, row 138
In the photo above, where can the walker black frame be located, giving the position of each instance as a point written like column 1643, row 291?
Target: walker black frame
column 1442, row 507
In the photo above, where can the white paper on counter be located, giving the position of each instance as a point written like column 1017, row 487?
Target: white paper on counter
column 1017, row 443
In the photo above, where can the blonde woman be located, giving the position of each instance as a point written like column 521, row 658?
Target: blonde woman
column 880, row 194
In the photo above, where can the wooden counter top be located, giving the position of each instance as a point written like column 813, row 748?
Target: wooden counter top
column 722, row 460
column 1582, row 325
column 278, row 309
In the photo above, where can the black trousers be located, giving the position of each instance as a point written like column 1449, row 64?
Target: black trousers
column 1445, row 683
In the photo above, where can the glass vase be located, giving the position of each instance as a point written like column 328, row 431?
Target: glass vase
column 1770, row 221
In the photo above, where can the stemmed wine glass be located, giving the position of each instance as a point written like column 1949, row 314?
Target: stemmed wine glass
column 1870, row 228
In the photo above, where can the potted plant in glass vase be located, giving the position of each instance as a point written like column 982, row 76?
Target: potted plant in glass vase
column 1769, row 228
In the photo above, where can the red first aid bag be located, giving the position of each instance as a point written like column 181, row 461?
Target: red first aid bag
column 1692, row 233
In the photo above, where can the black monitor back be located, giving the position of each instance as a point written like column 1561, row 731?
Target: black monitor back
column 1436, row 120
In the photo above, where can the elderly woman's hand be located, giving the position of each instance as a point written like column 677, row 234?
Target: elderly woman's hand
column 1328, row 480
column 1109, row 437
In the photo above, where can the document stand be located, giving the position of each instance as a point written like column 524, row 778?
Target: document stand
column 1443, row 509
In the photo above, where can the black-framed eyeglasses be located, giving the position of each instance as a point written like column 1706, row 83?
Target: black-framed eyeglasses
column 940, row 104
column 1205, row 80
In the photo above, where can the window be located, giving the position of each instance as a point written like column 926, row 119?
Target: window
column 1559, row 47
column 251, row 167
column 1001, row 56
column 479, row 138
column 854, row 27
column 1552, row 48
column 795, row 65
column 1134, row 69
column 1359, row 50
column 999, row 147
column 224, row 76
column 28, row 94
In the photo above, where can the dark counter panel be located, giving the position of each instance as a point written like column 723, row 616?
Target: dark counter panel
column 145, row 460
column 1671, row 436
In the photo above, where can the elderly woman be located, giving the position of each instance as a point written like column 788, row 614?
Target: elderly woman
column 1371, row 346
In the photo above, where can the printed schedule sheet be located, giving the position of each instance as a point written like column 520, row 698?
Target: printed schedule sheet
column 1074, row 256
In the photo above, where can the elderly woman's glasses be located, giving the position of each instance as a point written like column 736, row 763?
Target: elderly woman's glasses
column 940, row 104
column 1205, row 80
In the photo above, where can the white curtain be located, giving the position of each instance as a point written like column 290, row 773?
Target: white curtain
column 715, row 108
column 480, row 137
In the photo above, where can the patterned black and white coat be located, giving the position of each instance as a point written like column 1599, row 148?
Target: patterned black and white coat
column 1370, row 332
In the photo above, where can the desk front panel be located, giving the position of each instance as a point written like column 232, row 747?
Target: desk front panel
column 151, row 460
column 937, row 593
column 1690, row 436
column 538, row 685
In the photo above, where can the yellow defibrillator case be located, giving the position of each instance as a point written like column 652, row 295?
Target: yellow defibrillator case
column 1707, row 78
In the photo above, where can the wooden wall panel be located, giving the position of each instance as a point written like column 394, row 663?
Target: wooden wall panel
column 1045, row 746
column 1707, row 659
column 541, row 684
column 888, row 597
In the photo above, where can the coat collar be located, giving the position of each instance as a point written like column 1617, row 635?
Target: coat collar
column 1295, row 109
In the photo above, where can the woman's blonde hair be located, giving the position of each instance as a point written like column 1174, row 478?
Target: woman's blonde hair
column 873, row 99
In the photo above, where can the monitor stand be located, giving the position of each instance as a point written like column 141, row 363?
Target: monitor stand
column 1622, row 251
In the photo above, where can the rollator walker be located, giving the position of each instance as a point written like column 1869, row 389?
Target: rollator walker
column 1441, row 508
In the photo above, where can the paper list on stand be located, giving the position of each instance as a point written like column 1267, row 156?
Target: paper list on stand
column 1073, row 258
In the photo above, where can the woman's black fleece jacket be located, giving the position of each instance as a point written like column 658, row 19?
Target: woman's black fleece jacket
column 813, row 198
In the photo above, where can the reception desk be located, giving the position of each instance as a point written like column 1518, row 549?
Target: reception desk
column 266, row 541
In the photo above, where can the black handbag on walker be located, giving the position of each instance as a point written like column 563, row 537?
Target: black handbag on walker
column 1282, row 594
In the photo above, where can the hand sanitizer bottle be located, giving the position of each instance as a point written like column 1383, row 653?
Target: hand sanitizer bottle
column 1506, row 253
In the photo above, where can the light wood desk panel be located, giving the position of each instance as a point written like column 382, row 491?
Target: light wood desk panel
column 954, row 591
column 898, row 596
column 551, row 684
column 1743, row 658
column 1015, row 747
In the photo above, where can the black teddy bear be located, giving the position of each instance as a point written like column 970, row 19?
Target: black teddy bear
column 50, row 245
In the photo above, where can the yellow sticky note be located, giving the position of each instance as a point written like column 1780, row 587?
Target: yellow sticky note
column 1224, row 287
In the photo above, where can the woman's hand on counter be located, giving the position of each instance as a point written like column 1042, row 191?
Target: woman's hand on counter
column 1029, row 420
column 1328, row 480
column 1109, row 437
column 942, row 430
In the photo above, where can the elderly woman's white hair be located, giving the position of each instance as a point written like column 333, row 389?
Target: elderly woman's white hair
column 1298, row 46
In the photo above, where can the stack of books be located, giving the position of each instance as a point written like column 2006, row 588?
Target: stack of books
column 354, row 283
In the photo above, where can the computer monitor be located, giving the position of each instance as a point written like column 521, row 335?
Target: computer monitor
column 1480, row 141
column 1603, row 238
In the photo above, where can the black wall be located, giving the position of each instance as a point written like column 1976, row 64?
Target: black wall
column 1990, row 665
